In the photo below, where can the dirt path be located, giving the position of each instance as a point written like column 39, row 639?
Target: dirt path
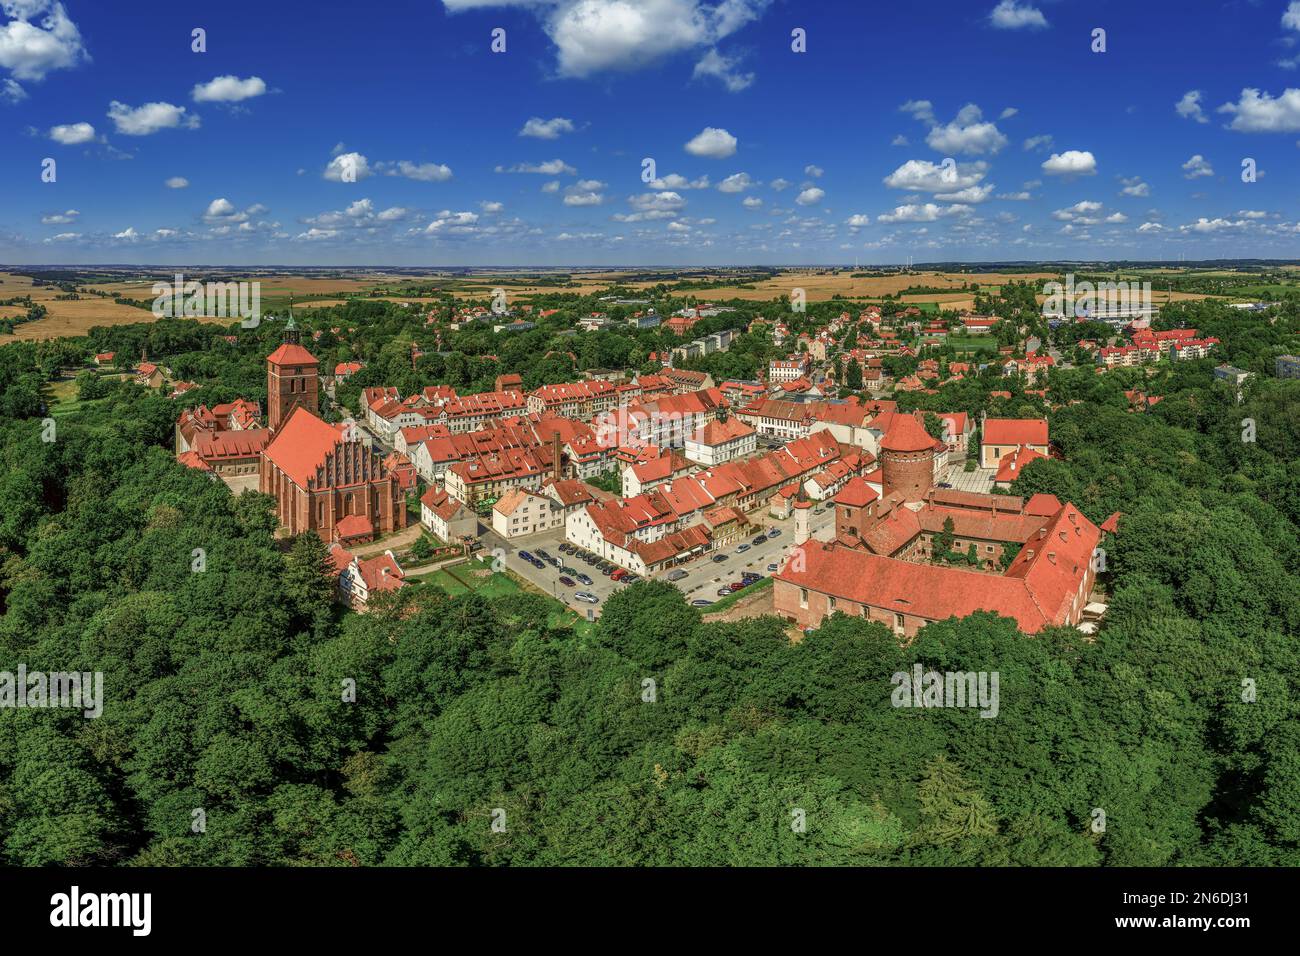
column 755, row 605
column 394, row 541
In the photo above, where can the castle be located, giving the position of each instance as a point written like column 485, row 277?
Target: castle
column 1030, row 560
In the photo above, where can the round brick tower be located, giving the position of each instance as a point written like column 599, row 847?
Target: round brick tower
column 907, row 459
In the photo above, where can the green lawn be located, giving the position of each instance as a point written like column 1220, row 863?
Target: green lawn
column 973, row 343
column 461, row 579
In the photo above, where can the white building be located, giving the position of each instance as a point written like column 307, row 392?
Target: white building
column 447, row 518
column 720, row 441
column 522, row 512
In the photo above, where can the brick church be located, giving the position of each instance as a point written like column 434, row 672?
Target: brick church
column 322, row 479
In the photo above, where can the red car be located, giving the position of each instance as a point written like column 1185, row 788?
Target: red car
column 618, row 575
column 735, row 585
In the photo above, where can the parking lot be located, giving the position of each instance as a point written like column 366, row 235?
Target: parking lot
column 548, row 578
column 703, row 575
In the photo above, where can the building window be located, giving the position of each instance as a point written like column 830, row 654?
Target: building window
column 803, row 597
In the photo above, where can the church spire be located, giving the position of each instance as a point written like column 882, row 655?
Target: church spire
column 291, row 327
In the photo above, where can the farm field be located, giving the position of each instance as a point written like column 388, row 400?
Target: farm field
column 76, row 317
column 66, row 317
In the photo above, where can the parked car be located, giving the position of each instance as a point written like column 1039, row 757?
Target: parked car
column 719, row 557
column 761, row 539
column 526, row 556
column 539, row 564
column 583, row 579
column 631, row 578
column 723, row 592
column 567, row 581
column 567, row 548
column 742, row 549
column 618, row 574
column 544, row 555
column 586, row 597
column 676, row 575
column 774, row 533
column 819, row 511
column 944, row 484
column 555, row 562
column 774, row 568
column 736, row 586
column 700, row 602
column 571, row 572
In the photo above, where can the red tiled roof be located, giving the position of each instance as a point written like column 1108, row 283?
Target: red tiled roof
column 1036, row 591
column 192, row 459
column 290, row 354
column 440, row 503
column 570, row 491
column 354, row 526
column 302, row 444
column 1043, row 505
column 717, row 432
column 239, row 443
column 1013, row 462
column 1015, row 431
column 906, row 434
column 381, row 573
column 340, row 556
column 856, row 493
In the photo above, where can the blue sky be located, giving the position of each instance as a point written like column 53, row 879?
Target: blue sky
column 534, row 155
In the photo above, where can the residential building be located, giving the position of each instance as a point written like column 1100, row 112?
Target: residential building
column 448, row 519
column 1004, row 435
column 721, row 440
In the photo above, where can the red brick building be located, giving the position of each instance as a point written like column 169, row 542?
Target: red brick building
column 292, row 379
column 907, row 457
column 321, row 480
column 1047, row 584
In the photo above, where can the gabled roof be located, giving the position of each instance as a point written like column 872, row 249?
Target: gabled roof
column 1013, row 462
column 302, row 444
column 856, row 493
column 441, row 503
column 1015, row 431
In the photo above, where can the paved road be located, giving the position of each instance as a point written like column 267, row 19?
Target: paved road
column 704, row 576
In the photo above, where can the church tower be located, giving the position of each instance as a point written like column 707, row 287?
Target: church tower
column 292, row 378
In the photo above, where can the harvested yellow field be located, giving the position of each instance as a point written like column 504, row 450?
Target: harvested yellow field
column 69, row 317
column 820, row 287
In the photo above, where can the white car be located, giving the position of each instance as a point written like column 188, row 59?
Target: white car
column 586, row 597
